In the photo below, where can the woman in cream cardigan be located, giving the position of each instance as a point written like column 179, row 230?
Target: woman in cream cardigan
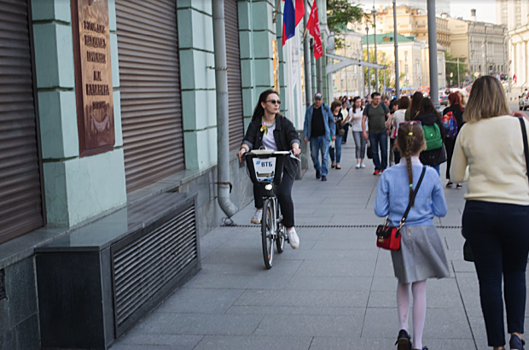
column 496, row 215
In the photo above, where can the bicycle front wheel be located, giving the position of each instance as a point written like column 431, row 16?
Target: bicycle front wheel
column 267, row 233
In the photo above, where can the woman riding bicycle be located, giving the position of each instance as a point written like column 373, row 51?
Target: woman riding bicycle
column 271, row 130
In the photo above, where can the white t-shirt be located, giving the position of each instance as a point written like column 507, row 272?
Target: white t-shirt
column 398, row 117
column 269, row 142
column 356, row 123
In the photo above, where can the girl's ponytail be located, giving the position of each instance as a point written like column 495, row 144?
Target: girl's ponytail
column 407, row 154
column 410, row 140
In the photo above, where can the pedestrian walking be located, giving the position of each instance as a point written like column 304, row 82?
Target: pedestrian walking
column 415, row 106
column 355, row 113
column 399, row 117
column 496, row 212
column 345, row 113
column 272, row 130
column 377, row 114
column 421, row 255
column 340, row 122
column 319, row 129
column 435, row 153
column 452, row 123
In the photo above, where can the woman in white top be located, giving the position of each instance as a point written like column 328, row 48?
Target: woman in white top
column 496, row 215
column 355, row 114
column 399, row 117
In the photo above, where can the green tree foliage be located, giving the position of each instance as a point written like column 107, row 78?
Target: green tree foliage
column 339, row 14
column 451, row 67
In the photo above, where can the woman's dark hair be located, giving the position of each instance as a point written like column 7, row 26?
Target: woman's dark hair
column 410, row 139
column 354, row 104
column 416, row 100
column 258, row 112
column 335, row 104
column 455, row 99
column 404, row 102
column 427, row 107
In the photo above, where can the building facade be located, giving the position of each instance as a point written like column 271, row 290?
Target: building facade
column 98, row 115
column 350, row 80
column 512, row 13
column 411, row 21
column 483, row 46
column 413, row 60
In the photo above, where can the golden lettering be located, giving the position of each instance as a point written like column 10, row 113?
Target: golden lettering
column 95, row 42
column 97, row 90
column 96, row 57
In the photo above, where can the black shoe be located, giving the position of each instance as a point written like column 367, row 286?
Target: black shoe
column 423, row 348
column 403, row 341
column 318, row 174
column 324, row 178
column 459, row 186
column 516, row 343
column 449, row 184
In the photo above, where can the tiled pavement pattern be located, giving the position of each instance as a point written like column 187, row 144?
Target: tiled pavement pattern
column 337, row 291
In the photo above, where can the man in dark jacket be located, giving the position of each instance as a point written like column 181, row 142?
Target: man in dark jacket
column 319, row 129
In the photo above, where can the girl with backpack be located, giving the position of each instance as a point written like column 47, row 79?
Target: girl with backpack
column 452, row 122
column 421, row 255
column 435, row 152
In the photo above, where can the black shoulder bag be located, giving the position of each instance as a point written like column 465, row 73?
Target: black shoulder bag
column 388, row 237
column 525, row 144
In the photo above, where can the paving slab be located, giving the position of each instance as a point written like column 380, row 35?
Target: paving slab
column 337, row 291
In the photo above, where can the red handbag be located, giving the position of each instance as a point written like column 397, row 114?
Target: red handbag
column 388, row 237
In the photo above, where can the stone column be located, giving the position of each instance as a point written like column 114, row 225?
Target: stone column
column 197, row 81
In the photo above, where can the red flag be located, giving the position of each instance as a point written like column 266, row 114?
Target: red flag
column 313, row 26
column 300, row 10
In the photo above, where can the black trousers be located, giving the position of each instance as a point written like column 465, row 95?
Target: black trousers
column 449, row 145
column 498, row 235
column 284, row 196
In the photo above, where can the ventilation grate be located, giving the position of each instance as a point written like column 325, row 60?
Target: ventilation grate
column 341, row 226
column 144, row 266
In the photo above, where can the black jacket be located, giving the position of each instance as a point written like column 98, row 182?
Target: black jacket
column 285, row 135
column 435, row 156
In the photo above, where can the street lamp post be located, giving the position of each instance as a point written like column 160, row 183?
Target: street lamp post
column 395, row 39
column 368, row 69
column 374, row 12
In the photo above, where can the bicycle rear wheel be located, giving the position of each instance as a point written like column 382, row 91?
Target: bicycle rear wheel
column 267, row 233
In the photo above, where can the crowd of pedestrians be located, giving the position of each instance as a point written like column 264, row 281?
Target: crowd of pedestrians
column 482, row 145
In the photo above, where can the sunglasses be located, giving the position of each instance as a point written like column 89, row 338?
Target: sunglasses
column 274, row 102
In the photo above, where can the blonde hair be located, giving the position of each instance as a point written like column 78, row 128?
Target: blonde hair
column 487, row 100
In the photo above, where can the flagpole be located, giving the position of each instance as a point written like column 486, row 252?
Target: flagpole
column 277, row 11
column 305, row 32
column 306, row 64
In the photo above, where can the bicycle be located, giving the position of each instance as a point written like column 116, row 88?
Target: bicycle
column 265, row 168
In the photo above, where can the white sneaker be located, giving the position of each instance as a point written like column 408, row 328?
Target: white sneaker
column 257, row 217
column 357, row 165
column 362, row 165
column 293, row 238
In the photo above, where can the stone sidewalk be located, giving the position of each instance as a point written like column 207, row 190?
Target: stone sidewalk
column 337, row 291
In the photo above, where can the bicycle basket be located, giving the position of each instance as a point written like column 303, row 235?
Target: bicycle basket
column 265, row 166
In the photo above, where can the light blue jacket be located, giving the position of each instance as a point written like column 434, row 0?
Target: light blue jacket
column 393, row 195
column 330, row 127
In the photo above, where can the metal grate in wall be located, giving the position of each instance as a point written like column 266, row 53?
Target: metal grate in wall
column 147, row 264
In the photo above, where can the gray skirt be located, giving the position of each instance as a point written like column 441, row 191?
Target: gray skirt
column 421, row 255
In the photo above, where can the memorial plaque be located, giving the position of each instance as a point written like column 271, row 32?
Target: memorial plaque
column 93, row 76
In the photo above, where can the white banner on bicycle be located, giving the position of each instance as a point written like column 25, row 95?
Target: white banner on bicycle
column 264, row 168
